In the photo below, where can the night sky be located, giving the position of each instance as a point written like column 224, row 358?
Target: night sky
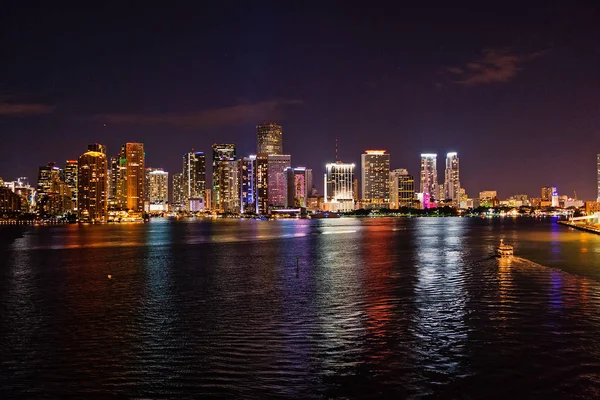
column 516, row 91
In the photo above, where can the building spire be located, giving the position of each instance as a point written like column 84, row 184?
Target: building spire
column 336, row 150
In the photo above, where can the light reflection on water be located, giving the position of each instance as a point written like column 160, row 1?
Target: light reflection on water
column 329, row 308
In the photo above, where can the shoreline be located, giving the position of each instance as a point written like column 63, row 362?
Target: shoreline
column 585, row 228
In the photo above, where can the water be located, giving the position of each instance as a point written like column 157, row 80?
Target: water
column 374, row 308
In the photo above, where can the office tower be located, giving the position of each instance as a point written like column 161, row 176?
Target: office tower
column 194, row 176
column 158, row 190
column 269, row 139
column 338, row 185
column 92, row 179
column 547, row 193
column 375, row 175
column 402, row 189
column 276, row 171
column 598, row 165
column 248, row 184
column 262, row 184
column 120, row 179
column 226, row 179
column 298, row 184
column 71, row 179
column 47, row 174
column 134, row 176
column 429, row 180
column 178, row 192
column 10, row 202
column 452, row 179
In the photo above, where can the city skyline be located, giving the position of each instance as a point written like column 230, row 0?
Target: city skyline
column 423, row 81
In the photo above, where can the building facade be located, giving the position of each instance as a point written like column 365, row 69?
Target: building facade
column 158, row 185
column 277, row 192
column 92, row 180
column 178, row 190
column 429, row 180
column 298, row 183
column 194, row 176
column 226, row 179
column 135, row 176
column 402, row 189
column 262, row 184
column 452, row 179
column 375, row 173
column 269, row 139
column 71, row 180
column 339, row 194
column 248, row 184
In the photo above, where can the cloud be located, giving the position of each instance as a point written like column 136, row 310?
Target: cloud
column 494, row 66
column 24, row 109
column 226, row 116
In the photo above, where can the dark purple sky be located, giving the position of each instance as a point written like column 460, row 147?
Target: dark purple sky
column 516, row 91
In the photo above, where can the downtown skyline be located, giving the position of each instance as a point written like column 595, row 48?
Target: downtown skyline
column 422, row 82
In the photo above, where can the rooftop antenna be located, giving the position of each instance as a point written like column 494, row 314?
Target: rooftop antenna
column 336, row 150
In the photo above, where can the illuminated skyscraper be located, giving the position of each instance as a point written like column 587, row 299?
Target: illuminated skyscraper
column 178, row 194
column 71, row 179
column 375, row 176
column 277, row 189
column 248, row 184
column 429, row 182
column 47, row 175
column 262, row 184
column 547, row 193
column 158, row 185
column 598, row 165
column 339, row 194
column 92, row 181
column 298, row 183
column 226, row 178
column 402, row 189
column 194, row 176
column 135, row 174
column 269, row 139
column 452, row 179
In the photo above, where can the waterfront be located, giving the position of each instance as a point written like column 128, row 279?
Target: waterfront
column 377, row 307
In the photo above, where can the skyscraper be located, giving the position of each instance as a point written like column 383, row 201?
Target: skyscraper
column 262, row 184
column 135, row 174
column 276, row 170
column 598, row 165
column 194, row 176
column 71, row 179
column 178, row 194
column 158, row 185
column 47, row 175
column 269, row 139
column 248, row 184
column 338, row 185
column 402, row 189
column 92, row 168
column 226, row 178
column 429, row 180
column 298, row 183
column 375, row 175
column 452, row 179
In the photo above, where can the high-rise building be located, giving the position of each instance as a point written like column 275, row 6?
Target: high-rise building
column 47, row 175
column 598, row 165
column 194, row 176
column 298, row 183
column 547, row 193
column 452, row 179
column 277, row 188
column 269, row 139
column 248, row 184
column 71, row 180
column 262, row 184
column 375, row 175
column 158, row 185
column 135, row 176
column 226, row 178
column 92, row 169
column 402, row 189
column 338, row 185
column 120, row 179
column 429, row 181
column 178, row 194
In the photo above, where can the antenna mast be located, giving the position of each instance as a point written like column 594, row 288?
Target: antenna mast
column 336, row 150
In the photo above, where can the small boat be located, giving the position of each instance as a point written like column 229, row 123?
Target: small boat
column 504, row 250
